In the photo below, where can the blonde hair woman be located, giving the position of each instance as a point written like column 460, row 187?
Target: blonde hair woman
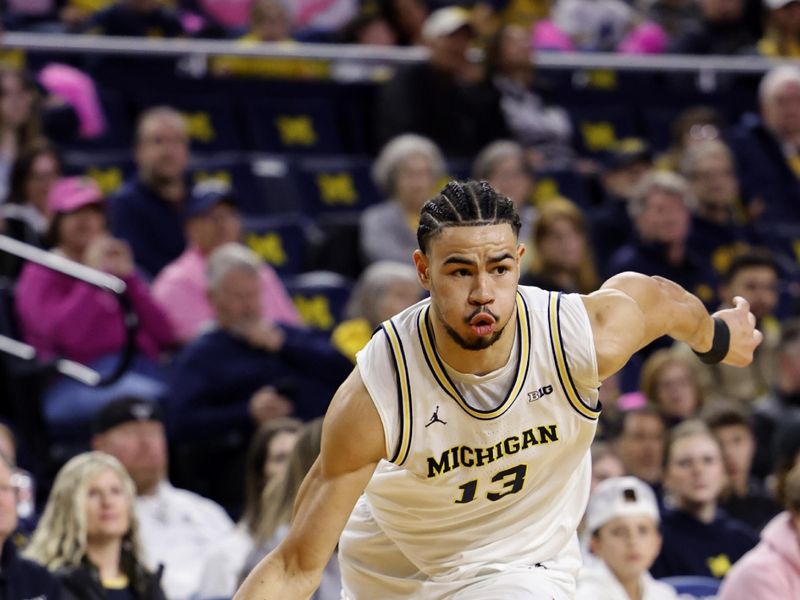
column 88, row 534
column 562, row 255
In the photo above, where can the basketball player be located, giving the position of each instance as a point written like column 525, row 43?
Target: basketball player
column 455, row 458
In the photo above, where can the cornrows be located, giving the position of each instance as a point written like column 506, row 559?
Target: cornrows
column 464, row 204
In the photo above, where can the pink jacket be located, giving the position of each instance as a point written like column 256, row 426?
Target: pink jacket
column 771, row 570
column 63, row 317
column 180, row 290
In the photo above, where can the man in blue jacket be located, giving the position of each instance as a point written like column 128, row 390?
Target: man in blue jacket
column 20, row 579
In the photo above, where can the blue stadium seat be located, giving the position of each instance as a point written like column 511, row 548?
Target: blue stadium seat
column 320, row 298
column 108, row 169
column 212, row 121
column 281, row 241
column 565, row 183
column 295, row 126
column 698, row 587
column 237, row 170
column 598, row 129
column 335, row 184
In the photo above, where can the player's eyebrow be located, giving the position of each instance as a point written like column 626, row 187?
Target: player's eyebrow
column 501, row 257
column 459, row 260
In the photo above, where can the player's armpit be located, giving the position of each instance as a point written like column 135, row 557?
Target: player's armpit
column 352, row 445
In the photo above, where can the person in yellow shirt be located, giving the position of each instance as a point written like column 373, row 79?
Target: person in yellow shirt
column 782, row 35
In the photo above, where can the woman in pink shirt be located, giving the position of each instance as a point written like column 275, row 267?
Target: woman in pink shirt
column 771, row 570
column 65, row 318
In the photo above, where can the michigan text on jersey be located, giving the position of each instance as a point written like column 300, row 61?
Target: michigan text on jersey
column 465, row 456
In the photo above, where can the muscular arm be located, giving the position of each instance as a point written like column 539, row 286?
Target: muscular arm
column 352, row 445
column 631, row 310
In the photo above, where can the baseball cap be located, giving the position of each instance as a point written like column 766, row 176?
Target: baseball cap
column 626, row 152
column 71, row 193
column 776, row 4
column 445, row 21
column 125, row 410
column 206, row 195
column 620, row 497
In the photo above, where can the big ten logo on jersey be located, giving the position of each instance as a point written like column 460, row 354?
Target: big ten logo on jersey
column 108, row 179
column 269, row 246
column 337, row 188
column 199, row 126
column 296, row 130
column 540, row 393
column 315, row 311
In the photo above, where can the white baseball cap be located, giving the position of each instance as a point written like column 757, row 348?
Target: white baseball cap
column 620, row 497
column 445, row 21
column 776, row 4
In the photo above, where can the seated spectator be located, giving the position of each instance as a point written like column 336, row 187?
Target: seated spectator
column 695, row 125
column 670, row 383
column 545, row 131
column 639, row 442
column 660, row 210
column 604, row 26
column 75, row 14
column 744, row 497
column 722, row 29
column 63, row 317
column 383, row 290
column 270, row 21
column 622, row 518
column 699, row 538
column 719, row 229
column 772, row 569
column 267, row 457
column 561, row 252
column 622, row 170
column 148, row 212
column 136, row 18
column 236, row 375
column 504, row 166
column 753, row 276
column 22, row 578
column 675, row 17
column 370, row 27
column 178, row 529
column 782, row 403
column 605, row 463
column 24, row 487
column 407, row 171
column 406, row 19
column 319, row 20
column 767, row 149
column 20, row 123
column 25, row 213
column 782, row 35
column 181, row 287
column 277, row 503
column 89, row 534
column 433, row 98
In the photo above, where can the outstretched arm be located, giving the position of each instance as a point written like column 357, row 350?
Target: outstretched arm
column 352, row 445
column 631, row 310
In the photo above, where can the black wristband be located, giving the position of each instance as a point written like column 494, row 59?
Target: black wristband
column 719, row 345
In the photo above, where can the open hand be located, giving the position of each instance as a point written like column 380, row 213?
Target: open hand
column 744, row 335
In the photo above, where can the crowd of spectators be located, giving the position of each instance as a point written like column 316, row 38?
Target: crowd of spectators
column 180, row 475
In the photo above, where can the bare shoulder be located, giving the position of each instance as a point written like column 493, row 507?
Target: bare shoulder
column 352, row 434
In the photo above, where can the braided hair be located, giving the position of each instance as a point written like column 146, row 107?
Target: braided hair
column 464, row 204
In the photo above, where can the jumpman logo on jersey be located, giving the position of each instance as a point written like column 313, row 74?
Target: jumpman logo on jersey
column 435, row 418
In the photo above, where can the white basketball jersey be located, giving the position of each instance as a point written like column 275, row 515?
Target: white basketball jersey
column 470, row 486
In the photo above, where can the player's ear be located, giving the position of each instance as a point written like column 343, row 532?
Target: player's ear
column 521, row 249
column 422, row 264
